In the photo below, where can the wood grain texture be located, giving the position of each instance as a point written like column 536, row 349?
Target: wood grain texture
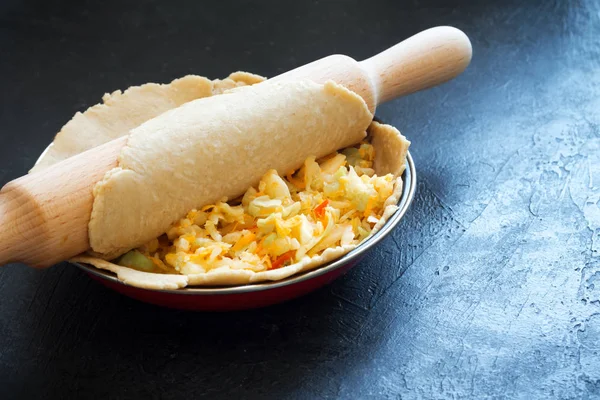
column 427, row 59
column 488, row 289
column 45, row 215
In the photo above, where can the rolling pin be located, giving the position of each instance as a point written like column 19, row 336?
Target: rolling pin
column 45, row 215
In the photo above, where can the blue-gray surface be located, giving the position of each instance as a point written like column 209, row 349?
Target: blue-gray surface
column 489, row 288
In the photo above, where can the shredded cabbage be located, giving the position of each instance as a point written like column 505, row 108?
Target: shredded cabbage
column 327, row 203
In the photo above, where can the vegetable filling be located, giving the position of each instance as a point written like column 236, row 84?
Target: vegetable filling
column 329, row 202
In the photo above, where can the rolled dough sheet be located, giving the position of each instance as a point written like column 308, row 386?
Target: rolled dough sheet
column 217, row 147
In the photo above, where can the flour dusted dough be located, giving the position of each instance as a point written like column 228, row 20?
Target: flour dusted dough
column 390, row 159
column 217, row 147
column 122, row 111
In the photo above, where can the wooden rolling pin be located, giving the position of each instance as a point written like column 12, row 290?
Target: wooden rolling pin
column 45, row 215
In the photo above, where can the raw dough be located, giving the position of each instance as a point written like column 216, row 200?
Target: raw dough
column 389, row 159
column 122, row 111
column 217, row 147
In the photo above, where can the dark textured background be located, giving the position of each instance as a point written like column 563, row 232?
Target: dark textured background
column 490, row 287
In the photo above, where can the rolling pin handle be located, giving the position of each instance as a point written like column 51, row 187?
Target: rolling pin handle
column 424, row 60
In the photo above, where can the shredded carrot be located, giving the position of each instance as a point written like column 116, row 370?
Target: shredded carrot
column 279, row 261
column 369, row 207
column 260, row 250
column 244, row 241
column 320, row 209
column 294, row 181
